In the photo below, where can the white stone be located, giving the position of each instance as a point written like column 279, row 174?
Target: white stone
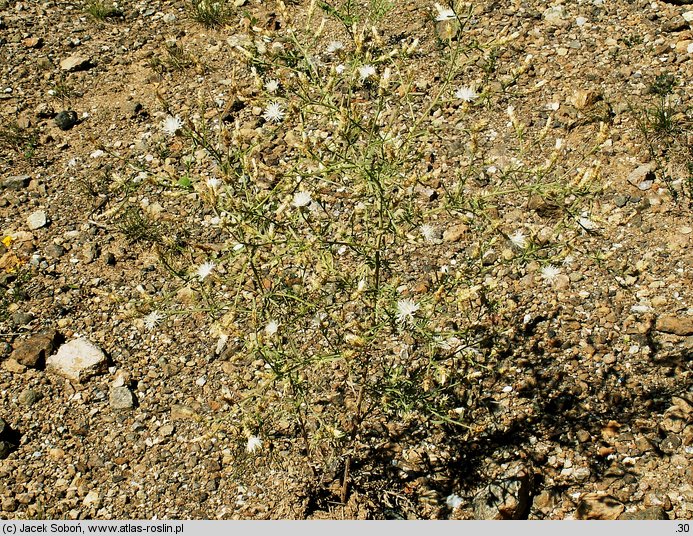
column 74, row 63
column 92, row 499
column 121, row 398
column 554, row 14
column 37, row 220
column 77, row 360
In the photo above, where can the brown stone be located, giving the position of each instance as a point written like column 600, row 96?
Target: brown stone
column 605, row 451
column 677, row 325
column 180, row 412
column 454, row 233
column 610, row 430
column 595, row 506
column 11, row 365
column 34, row 351
column 585, row 98
column 75, row 63
column 33, row 42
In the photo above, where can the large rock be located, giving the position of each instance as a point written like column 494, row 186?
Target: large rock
column 15, row 182
column 595, row 506
column 651, row 513
column 505, row 499
column 7, row 440
column 643, row 176
column 37, row 219
column 34, row 351
column 78, row 360
column 677, row 325
column 121, row 398
column 75, row 63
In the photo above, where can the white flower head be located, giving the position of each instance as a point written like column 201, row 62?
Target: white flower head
column 549, row 273
column 302, row 199
column 254, row 443
column 272, row 86
column 271, row 328
column 405, row 310
column 366, row 71
column 171, row 125
column 205, row 269
column 152, row 320
column 518, row 239
column 444, row 13
column 274, row 113
column 467, row 94
column 213, row 183
column 429, row 232
column 334, row 46
column 340, row 68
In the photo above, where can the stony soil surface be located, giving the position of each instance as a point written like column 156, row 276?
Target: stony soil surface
column 584, row 408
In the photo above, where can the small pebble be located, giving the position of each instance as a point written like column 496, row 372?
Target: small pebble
column 65, row 120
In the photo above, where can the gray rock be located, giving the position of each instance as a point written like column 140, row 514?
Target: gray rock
column 34, row 351
column 582, row 473
column 16, row 182
column 66, row 119
column 670, row 444
column 75, row 63
column 643, row 176
column 652, row 513
column 29, row 397
column 675, row 25
column 78, row 360
column 90, row 252
column 121, row 398
column 132, row 109
column 21, row 319
column 54, row 251
column 37, row 220
column 505, row 499
column 45, row 110
column 621, row 200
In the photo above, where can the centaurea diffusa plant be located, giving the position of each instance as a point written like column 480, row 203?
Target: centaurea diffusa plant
column 314, row 295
